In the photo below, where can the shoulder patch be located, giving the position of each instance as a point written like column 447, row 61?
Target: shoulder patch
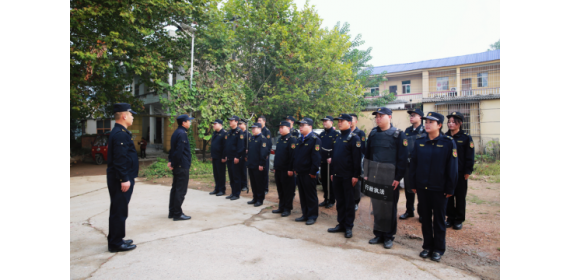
column 454, row 152
column 472, row 145
column 268, row 136
column 405, row 142
column 293, row 146
column 317, row 147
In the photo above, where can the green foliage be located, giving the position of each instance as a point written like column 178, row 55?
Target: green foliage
column 159, row 169
column 112, row 41
column 488, row 171
column 495, row 46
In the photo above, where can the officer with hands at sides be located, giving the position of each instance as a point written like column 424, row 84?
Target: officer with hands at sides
column 327, row 137
column 257, row 156
column 283, row 164
column 414, row 131
column 122, row 169
column 433, row 167
column 217, row 150
column 235, row 153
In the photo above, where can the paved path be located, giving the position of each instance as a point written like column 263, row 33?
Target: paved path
column 225, row 239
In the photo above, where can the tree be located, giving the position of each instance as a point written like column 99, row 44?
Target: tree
column 495, row 46
column 290, row 65
column 112, row 41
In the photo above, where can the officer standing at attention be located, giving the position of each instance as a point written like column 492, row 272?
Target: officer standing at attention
column 122, row 169
column 465, row 160
column 257, row 155
column 283, row 165
column 415, row 130
column 217, row 149
column 235, row 152
column 243, row 164
column 179, row 161
column 386, row 145
column 327, row 137
column 267, row 134
column 433, row 168
column 306, row 163
column 347, row 167
column 294, row 132
column 362, row 136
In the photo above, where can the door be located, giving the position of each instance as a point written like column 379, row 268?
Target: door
column 466, row 87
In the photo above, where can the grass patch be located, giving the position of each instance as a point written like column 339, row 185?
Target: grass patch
column 474, row 199
column 488, row 171
column 159, row 169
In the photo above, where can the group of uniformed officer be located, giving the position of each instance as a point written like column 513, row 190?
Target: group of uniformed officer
column 427, row 159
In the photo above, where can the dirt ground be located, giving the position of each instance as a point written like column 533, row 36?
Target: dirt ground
column 475, row 248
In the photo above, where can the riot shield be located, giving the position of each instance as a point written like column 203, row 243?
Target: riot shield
column 379, row 188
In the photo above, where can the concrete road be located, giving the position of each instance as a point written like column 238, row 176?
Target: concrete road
column 225, row 239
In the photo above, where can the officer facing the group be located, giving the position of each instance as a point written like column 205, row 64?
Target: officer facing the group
column 433, row 167
column 386, row 145
column 235, row 152
column 362, row 136
column 306, row 163
column 243, row 165
column 327, row 137
column 179, row 161
column 412, row 133
column 217, row 150
column 465, row 160
column 122, row 169
column 294, row 132
column 346, row 169
column 257, row 156
column 267, row 134
column 283, row 165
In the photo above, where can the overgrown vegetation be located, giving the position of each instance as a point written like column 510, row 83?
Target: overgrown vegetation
column 159, row 169
column 488, row 165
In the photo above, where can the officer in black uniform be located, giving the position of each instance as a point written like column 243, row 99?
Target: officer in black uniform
column 415, row 130
column 235, row 152
column 327, row 137
column 243, row 164
column 122, row 169
column 257, row 156
column 346, row 163
column 386, row 145
column 267, row 134
column 217, row 149
column 362, row 136
column 465, row 160
column 433, row 168
column 294, row 132
column 283, row 165
column 306, row 163
column 179, row 161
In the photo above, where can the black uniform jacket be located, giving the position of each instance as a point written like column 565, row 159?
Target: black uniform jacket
column 433, row 165
column 234, row 144
column 218, row 146
column 327, row 138
column 257, row 153
column 346, row 159
column 465, row 152
column 307, row 158
column 284, row 151
column 179, row 155
column 122, row 158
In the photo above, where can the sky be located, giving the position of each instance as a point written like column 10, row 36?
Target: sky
column 404, row 31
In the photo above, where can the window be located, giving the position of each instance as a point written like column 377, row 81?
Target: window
column 394, row 89
column 470, row 110
column 482, row 79
column 174, row 78
column 405, row 86
column 442, row 83
column 137, row 90
column 103, row 126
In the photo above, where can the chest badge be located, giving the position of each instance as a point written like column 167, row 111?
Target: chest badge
column 472, row 145
column 263, row 145
column 363, row 139
column 358, row 144
column 241, row 137
column 292, row 146
column 405, row 142
column 454, row 153
column 317, row 147
column 226, row 137
column 268, row 136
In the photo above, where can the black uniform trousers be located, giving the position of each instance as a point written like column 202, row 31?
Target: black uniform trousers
column 235, row 176
column 266, row 176
column 308, row 196
column 344, row 201
column 329, row 193
column 456, row 204
column 256, row 178
column 119, row 210
column 243, row 168
column 285, row 189
column 410, row 196
column 219, row 175
column 432, row 210
column 358, row 186
column 178, row 190
column 388, row 235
